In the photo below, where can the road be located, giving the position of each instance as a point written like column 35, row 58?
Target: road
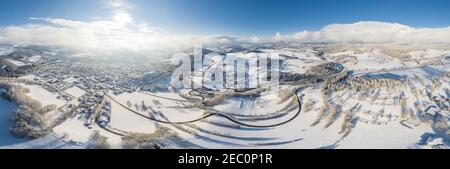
column 228, row 117
column 208, row 115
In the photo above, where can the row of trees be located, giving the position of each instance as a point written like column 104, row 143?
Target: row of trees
column 441, row 126
column 331, row 111
column 308, row 105
column 97, row 141
column 362, row 83
column 146, row 141
column 341, row 82
column 325, row 69
column 218, row 98
column 432, row 62
column 349, row 123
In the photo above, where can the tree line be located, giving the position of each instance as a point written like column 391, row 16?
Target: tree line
column 28, row 121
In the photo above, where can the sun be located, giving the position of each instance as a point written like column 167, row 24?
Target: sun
column 122, row 17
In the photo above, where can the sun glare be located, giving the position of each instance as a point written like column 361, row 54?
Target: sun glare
column 122, row 17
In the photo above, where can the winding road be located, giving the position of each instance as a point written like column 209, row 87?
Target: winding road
column 226, row 116
column 208, row 115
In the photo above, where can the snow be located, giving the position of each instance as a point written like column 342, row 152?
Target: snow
column 75, row 131
column 4, row 50
column 378, row 132
column 70, row 80
column 299, row 131
column 429, row 53
column 42, row 95
column 378, row 116
column 50, row 141
column 6, row 110
column 303, row 62
column 374, row 60
column 28, row 77
column 125, row 120
column 444, row 68
column 172, row 109
column 16, row 62
column 389, row 136
column 35, row 58
column 75, row 91
column 266, row 104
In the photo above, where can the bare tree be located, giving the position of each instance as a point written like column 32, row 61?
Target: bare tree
column 146, row 141
column 97, row 141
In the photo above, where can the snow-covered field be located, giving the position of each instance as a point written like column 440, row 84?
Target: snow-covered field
column 42, row 95
column 6, row 109
column 379, row 116
column 28, row 77
column 75, row 91
column 392, row 136
column 125, row 120
column 74, row 130
column 429, row 53
column 374, row 60
column 16, row 62
column 167, row 103
column 50, row 141
column 35, row 58
column 4, row 50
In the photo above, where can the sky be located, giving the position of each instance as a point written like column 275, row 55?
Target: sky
column 137, row 24
column 237, row 17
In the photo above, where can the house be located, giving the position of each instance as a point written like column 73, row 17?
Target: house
column 103, row 121
column 410, row 123
column 430, row 112
column 435, row 142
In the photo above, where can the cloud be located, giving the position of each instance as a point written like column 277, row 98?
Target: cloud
column 120, row 33
column 104, row 36
column 123, row 33
column 370, row 32
column 279, row 37
column 116, row 3
column 255, row 39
